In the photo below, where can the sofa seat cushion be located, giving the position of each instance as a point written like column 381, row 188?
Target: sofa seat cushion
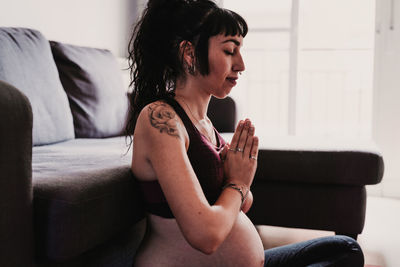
column 27, row 63
column 84, row 194
column 317, row 160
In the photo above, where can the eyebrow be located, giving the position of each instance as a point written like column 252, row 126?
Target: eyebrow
column 233, row 41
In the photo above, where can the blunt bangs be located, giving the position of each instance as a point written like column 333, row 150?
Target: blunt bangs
column 224, row 21
column 219, row 21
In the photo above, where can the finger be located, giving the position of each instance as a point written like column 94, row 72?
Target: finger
column 249, row 141
column 243, row 136
column 224, row 151
column 236, row 135
column 254, row 149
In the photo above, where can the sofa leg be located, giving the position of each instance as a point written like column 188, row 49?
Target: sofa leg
column 352, row 235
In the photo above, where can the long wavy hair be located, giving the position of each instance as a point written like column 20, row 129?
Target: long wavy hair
column 155, row 60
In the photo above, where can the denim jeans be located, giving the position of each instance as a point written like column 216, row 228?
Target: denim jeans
column 336, row 250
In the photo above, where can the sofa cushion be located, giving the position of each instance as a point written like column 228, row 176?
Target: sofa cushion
column 93, row 82
column 335, row 161
column 26, row 62
column 84, row 194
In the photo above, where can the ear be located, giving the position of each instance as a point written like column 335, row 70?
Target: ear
column 186, row 49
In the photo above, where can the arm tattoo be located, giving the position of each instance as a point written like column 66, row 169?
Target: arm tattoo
column 163, row 118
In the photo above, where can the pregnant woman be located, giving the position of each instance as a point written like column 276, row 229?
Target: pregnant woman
column 195, row 185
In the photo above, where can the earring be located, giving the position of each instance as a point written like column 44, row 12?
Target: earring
column 191, row 68
column 240, row 73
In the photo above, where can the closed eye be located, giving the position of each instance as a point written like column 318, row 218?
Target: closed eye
column 229, row 53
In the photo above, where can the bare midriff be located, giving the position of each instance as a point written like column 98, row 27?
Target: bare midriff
column 165, row 245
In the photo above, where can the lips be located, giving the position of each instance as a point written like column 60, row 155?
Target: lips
column 232, row 80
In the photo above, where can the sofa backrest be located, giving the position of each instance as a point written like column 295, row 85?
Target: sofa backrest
column 222, row 113
column 27, row 63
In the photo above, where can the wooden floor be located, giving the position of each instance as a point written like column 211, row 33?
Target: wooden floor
column 380, row 239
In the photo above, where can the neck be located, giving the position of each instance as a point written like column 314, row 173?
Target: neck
column 195, row 98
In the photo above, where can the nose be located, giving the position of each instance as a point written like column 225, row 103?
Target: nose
column 239, row 64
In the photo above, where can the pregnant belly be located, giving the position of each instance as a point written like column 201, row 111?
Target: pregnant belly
column 243, row 245
column 166, row 246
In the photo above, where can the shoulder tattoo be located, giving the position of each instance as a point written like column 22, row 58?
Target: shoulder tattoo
column 163, row 118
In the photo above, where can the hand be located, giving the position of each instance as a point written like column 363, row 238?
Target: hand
column 241, row 155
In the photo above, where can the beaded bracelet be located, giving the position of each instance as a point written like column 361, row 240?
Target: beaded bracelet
column 240, row 189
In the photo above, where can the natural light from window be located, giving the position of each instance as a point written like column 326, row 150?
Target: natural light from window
column 309, row 66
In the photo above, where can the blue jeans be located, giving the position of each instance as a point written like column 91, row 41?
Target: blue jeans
column 336, row 250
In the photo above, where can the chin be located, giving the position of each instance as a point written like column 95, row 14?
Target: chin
column 226, row 93
column 221, row 95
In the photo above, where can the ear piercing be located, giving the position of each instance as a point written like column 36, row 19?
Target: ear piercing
column 191, row 68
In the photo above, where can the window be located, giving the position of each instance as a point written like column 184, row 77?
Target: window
column 262, row 90
column 309, row 66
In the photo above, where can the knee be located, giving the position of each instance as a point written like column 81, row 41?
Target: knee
column 351, row 243
column 354, row 252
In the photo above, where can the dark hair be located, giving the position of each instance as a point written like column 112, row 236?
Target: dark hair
column 155, row 60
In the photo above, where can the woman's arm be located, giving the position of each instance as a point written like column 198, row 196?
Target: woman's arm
column 248, row 202
column 205, row 227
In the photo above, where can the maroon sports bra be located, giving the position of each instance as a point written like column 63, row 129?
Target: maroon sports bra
column 205, row 160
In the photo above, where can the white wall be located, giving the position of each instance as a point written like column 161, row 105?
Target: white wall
column 95, row 23
column 386, row 127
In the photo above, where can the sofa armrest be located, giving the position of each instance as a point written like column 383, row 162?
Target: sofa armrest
column 15, row 178
column 334, row 161
column 319, row 160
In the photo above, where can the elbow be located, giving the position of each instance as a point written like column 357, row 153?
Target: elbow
column 207, row 234
column 206, row 243
column 209, row 248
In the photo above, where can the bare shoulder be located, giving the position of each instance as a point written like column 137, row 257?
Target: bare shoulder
column 159, row 118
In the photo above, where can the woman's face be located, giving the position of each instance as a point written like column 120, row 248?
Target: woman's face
column 225, row 63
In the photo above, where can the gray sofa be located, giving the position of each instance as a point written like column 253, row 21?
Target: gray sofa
column 67, row 195
column 309, row 182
